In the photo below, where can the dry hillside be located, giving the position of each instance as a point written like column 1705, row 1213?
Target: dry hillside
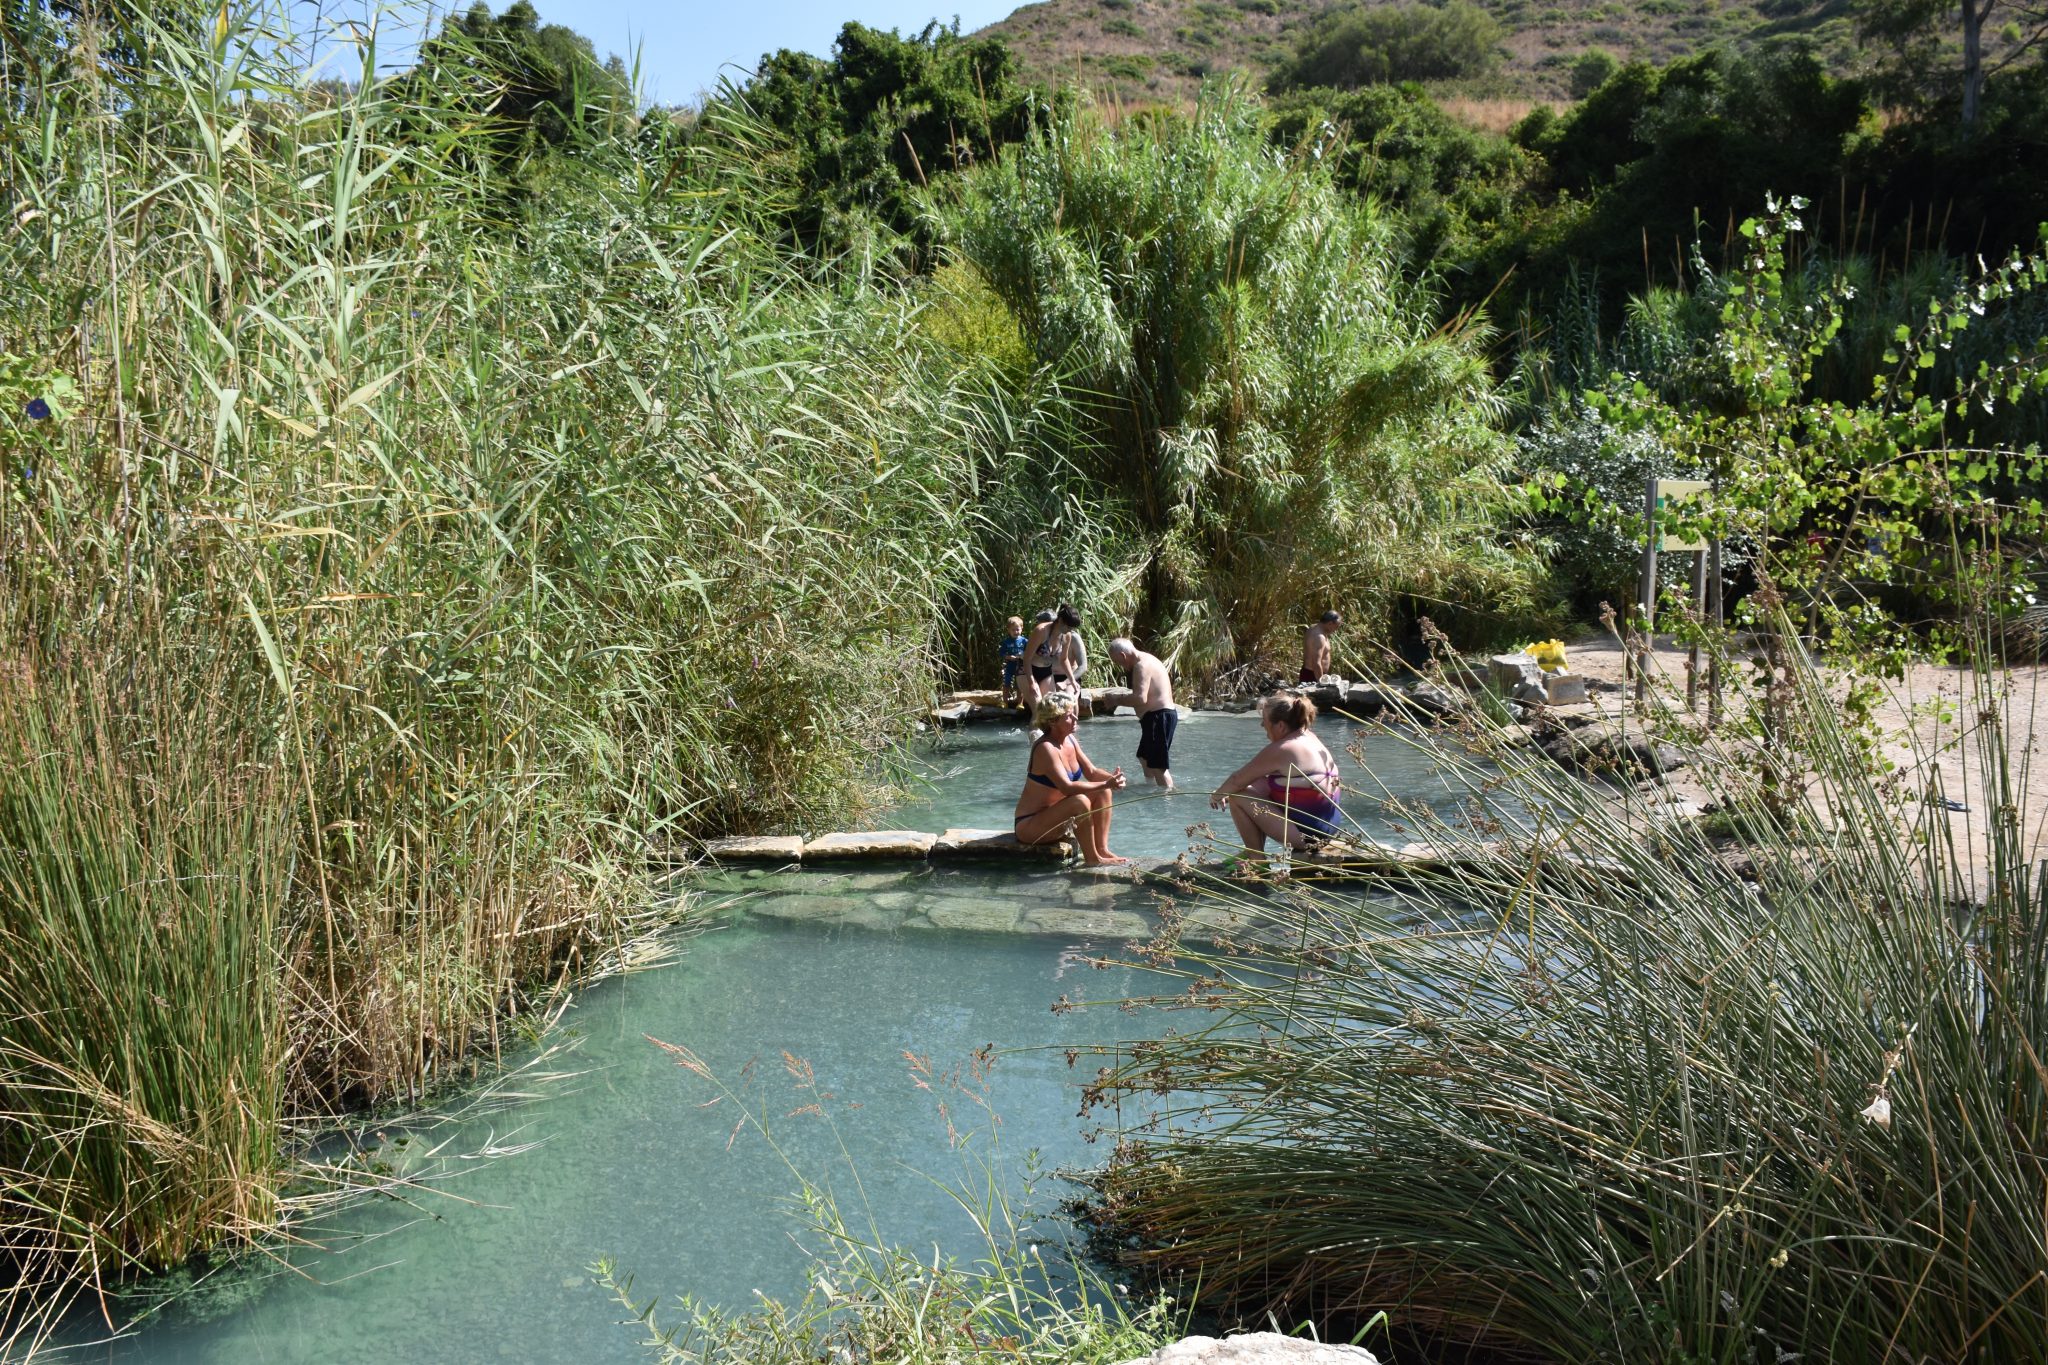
column 1158, row 50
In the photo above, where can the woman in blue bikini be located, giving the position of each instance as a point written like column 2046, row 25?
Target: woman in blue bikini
column 1289, row 791
column 1062, row 790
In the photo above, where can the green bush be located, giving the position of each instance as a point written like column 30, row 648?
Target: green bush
column 1372, row 44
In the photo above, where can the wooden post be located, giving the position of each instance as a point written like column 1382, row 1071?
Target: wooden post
column 1720, row 645
column 1647, row 606
column 1699, row 606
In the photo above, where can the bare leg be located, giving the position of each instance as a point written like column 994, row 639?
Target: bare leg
column 1096, row 850
column 1258, row 820
column 1159, row 777
column 1244, row 814
column 1050, row 825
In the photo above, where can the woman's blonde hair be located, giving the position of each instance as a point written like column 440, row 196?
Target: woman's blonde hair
column 1051, row 707
column 1296, row 713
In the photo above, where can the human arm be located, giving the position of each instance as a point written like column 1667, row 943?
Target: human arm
column 1098, row 778
column 1263, row 764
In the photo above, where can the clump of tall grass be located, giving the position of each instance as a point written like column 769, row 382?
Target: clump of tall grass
column 500, row 535
column 1613, row 1090
column 144, row 861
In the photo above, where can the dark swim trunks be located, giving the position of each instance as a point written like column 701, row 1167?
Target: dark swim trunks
column 1155, row 736
column 1308, row 679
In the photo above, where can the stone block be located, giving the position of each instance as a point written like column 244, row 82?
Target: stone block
column 757, row 848
column 979, row 696
column 1564, row 689
column 996, row 843
column 1508, row 670
column 879, row 843
column 978, row 917
column 799, row 907
column 988, row 714
column 952, row 713
column 1107, row 701
column 1256, row 1348
column 1121, row 924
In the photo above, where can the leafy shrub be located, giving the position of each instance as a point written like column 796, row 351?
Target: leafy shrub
column 1372, row 44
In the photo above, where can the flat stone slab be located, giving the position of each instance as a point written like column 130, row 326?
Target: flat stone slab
column 880, row 843
column 978, row 696
column 995, row 843
column 1088, row 923
column 981, row 917
column 758, row 848
column 802, row 907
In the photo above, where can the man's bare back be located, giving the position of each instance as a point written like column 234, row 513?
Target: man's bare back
column 1151, row 687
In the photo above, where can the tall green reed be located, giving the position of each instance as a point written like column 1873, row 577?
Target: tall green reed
column 494, row 538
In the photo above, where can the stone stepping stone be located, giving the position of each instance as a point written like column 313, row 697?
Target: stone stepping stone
column 756, row 848
column 880, row 843
column 996, row 843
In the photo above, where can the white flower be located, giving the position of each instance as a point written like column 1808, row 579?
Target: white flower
column 1879, row 1111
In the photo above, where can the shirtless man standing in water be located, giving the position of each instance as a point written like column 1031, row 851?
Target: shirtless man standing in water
column 1152, row 698
column 1315, row 648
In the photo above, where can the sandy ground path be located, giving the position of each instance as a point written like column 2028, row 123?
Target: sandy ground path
column 1927, row 720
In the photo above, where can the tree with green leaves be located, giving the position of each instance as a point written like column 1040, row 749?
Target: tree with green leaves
column 531, row 87
column 1274, row 401
column 1921, row 30
column 880, row 119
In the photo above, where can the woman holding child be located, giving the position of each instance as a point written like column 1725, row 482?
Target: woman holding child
column 1289, row 790
column 1063, row 791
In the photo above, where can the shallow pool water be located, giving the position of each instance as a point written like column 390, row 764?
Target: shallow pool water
column 879, row 983
column 631, row 1164
column 977, row 773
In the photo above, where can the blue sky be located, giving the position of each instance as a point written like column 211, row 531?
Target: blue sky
column 685, row 44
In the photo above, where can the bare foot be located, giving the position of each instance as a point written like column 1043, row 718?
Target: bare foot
column 1111, row 861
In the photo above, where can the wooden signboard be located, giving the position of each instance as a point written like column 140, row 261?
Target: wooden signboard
column 1666, row 496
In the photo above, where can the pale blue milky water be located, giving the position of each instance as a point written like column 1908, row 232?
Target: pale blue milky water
column 856, row 976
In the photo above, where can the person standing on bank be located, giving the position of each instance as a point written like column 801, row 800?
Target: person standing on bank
column 1063, row 791
column 1152, row 699
column 1315, row 648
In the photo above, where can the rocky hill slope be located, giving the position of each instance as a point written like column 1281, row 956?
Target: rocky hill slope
column 1142, row 51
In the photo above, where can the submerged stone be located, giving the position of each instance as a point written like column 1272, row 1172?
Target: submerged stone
column 981, row 917
column 1256, row 1348
column 801, row 907
column 1088, row 923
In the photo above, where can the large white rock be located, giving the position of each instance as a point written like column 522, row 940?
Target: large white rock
column 1256, row 1348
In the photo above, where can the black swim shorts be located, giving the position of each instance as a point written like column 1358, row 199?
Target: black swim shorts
column 1155, row 736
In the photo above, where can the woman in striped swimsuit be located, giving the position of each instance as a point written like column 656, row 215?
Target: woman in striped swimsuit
column 1289, row 791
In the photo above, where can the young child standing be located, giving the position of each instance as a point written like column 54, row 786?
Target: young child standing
column 1013, row 644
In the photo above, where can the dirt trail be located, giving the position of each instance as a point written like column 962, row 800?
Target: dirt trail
column 1925, row 721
